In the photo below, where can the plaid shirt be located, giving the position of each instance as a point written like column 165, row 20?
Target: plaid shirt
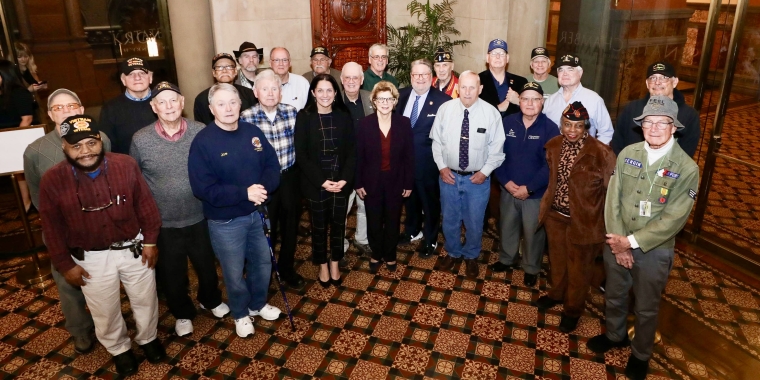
column 280, row 133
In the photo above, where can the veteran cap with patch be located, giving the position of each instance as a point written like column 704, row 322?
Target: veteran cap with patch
column 575, row 111
column 77, row 127
column 539, row 52
column 662, row 68
column 660, row 105
column 569, row 60
column 441, row 55
column 131, row 64
column 221, row 56
column 531, row 86
column 320, row 50
column 497, row 44
column 163, row 86
column 246, row 47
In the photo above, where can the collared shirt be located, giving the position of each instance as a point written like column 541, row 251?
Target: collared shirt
column 601, row 124
column 243, row 80
column 486, row 139
column 355, row 108
column 279, row 133
column 410, row 104
column 136, row 99
column 175, row 137
column 295, row 92
column 64, row 191
column 371, row 79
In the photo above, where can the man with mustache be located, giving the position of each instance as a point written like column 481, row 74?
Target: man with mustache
column 39, row 157
column 101, row 225
column 321, row 64
column 249, row 57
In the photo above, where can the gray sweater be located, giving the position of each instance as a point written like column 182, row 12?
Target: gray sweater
column 164, row 166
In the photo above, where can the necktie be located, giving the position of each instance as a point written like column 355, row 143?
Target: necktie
column 464, row 142
column 414, row 116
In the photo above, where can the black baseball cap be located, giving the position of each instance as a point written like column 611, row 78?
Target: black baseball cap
column 662, row 68
column 319, row 50
column 569, row 60
column 539, row 52
column 163, row 86
column 531, row 86
column 78, row 127
column 131, row 64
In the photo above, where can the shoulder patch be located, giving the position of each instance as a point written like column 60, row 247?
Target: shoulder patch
column 693, row 194
column 633, row 162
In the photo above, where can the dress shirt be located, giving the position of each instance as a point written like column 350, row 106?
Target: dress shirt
column 295, row 92
column 279, row 133
column 601, row 124
column 67, row 226
column 136, row 99
column 486, row 146
column 173, row 138
column 410, row 104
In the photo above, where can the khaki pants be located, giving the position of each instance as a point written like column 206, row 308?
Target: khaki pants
column 107, row 270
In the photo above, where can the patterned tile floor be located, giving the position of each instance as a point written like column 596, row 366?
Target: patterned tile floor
column 416, row 323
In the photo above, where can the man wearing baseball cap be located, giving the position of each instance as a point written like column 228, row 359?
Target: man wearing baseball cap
column 523, row 178
column 569, row 72
column 125, row 114
column 661, row 80
column 101, row 225
column 499, row 86
column 541, row 64
column 223, row 69
column 321, row 63
column 249, row 57
column 649, row 199
column 39, row 156
column 161, row 151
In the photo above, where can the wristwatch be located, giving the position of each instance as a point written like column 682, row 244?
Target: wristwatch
column 530, row 192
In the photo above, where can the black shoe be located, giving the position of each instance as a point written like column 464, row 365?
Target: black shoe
column 473, row 269
column 404, row 238
column 427, row 251
column 601, row 343
column 391, row 267
column 296, row 282
column 154, row 351
column 544, row 302
column 83, row 344
column 374, row 267
column 126, row 363
column 530, row 280
column 636, row 369
column 568, row 324
column 501, row 267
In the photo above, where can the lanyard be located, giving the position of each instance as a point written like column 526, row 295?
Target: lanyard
column 646, row 170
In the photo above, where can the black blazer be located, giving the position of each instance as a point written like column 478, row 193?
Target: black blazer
column 490, row 95
column 425, row 167
column 307, row 138
column 369, row 155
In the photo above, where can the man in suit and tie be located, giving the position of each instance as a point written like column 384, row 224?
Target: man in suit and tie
column 420, row 104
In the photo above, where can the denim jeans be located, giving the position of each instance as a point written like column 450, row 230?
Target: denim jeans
column 239, row 244
column 465, row 202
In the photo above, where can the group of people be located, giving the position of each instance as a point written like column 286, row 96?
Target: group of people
column 143, row 180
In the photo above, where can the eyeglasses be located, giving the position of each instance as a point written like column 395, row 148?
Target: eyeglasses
column 280, row 60
column 497, row 54
column 383, row 57
column 660, row 125
column 224, row 68
column 110, row 196
column 420, row 76
column 137, row 74
column 531, row 100
column 60, row 107
column 385, row 100
column 658, row 79
column 352, row 79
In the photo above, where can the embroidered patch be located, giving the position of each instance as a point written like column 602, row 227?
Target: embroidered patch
column 633, row 162
column 663, row 200
column 533, row 137
column 257, row 144
column 511, row 133
column 693, row 194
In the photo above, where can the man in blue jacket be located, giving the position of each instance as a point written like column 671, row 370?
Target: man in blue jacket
column 420, row 104
column 232, row 169
column 523, row 177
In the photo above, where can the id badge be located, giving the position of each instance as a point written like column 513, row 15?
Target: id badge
column 645, row 208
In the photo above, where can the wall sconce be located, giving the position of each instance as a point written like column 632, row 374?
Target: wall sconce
column 152, row 46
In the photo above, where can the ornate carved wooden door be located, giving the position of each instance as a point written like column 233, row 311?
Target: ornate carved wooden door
column 348, row 28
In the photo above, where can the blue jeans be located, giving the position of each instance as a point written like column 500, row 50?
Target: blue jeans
column 240, row 243
column 465, row 202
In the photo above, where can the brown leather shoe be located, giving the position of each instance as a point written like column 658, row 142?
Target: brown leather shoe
column 447, row 263
column 472, row 268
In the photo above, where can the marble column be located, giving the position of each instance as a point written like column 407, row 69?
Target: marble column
column 526, row 30
column 193, row 47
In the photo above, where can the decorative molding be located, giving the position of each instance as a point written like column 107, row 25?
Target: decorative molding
column 647, row 14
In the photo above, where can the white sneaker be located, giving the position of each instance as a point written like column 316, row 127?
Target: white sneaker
column 219, row 311
column 268, row 312
column 183, row 327
column 244, row 327
column 418, row 237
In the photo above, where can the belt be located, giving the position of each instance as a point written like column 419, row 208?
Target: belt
column 118, row 245
column 460, row 172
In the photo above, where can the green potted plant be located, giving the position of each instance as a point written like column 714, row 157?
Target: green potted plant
column 434, row 28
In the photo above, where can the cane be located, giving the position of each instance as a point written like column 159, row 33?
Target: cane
column 265, row 224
